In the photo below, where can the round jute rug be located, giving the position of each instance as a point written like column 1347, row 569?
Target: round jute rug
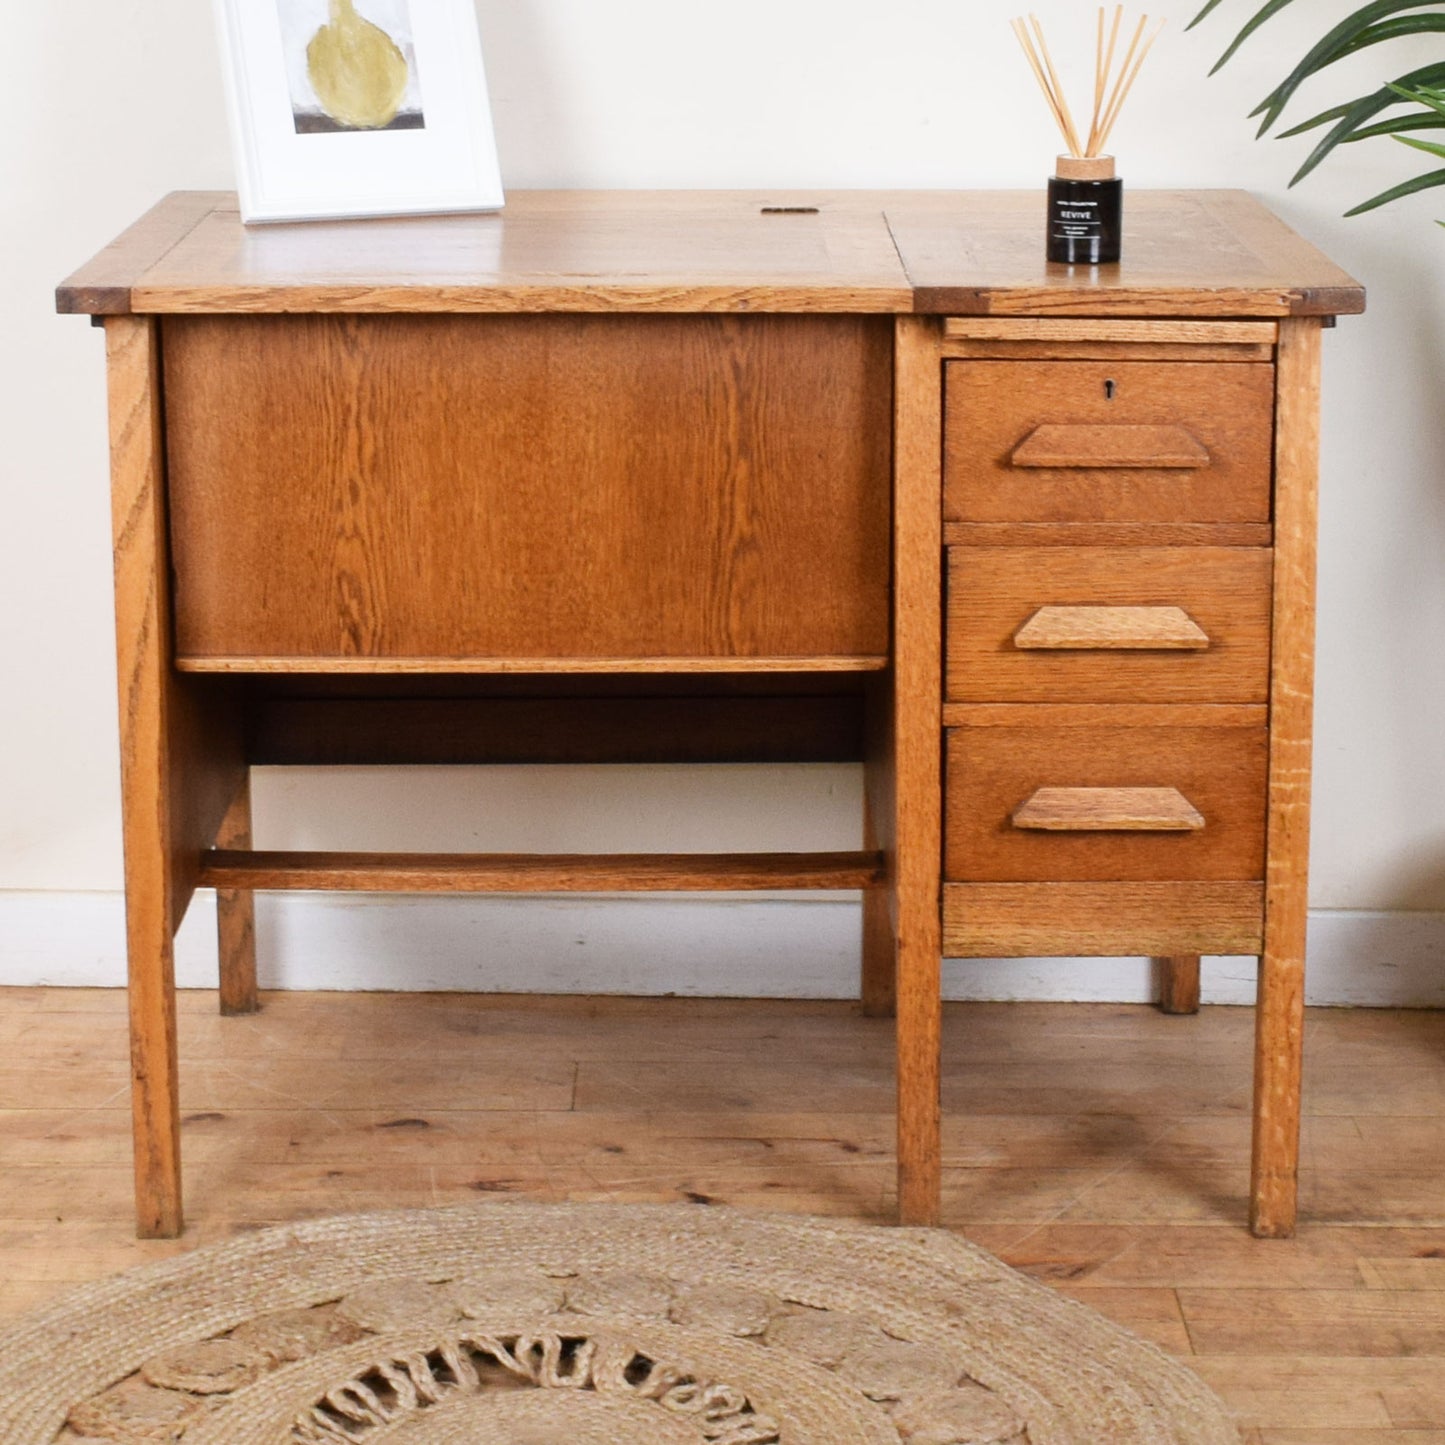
column 589, row 1325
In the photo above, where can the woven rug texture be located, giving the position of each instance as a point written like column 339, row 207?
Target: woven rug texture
column 589, row 1325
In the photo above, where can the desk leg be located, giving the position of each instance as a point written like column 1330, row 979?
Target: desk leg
column 1279, row 1007
column 142, row 655
column 880, row 955
column 1179, row 984
column 879, row 990
column 236, row 916
column 916, row 752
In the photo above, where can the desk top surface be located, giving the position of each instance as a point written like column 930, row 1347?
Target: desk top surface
column 1186, row 253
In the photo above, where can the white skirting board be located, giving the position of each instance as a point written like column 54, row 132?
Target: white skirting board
column 786, row 947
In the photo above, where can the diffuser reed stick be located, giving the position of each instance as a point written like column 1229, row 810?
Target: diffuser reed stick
column 1111, row 85
column 1086, row 206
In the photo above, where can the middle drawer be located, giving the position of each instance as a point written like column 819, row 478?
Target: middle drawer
column 1108, row 624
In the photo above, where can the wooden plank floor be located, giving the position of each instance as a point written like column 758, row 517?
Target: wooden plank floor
column 1100, row 1148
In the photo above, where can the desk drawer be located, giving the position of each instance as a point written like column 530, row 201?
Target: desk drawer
column 1128, row 804
column 1108, row 624
column 1108, row 441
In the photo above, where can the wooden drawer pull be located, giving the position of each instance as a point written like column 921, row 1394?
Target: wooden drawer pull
column 1092, row 629
column 1065, row 445
column 1108, row 810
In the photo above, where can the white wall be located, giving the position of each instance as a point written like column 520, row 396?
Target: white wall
column 112, row 104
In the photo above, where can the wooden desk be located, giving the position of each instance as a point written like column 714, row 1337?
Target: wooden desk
column 721, row 477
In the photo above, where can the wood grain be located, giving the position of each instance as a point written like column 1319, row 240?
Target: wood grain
column 540, row 872
column 1179, row 984
column 918, row 689
column 102, row 286
column 152, row 886
column 709, row 494
column 1088, row 448
column 1111, row 629
column 1051, row 1103
column 1113, row 423
column 991, row 771
column 996, row 596
column 322, row 665
column 1191, row 334
column 878, row 972
column 1107, row 534
column 1279, row 1010
column 565, row 251
column 1030, row 920
column 1104, row 715
column 1107, row 810
column 348, row 492
column 1200, row 254
column 236, row 915
column 182, row 761
column 984, row 350
column 1203, row 254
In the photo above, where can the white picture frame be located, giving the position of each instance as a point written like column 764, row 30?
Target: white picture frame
column 309, row 121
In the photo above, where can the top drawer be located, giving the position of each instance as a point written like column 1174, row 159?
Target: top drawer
column 1108, row 441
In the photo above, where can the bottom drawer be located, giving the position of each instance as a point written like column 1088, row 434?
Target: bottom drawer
column 1127, row 804
column 1091, row 920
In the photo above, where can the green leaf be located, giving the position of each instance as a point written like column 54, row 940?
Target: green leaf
column 1395, row 125
column 1267, row 12
column 1364, row 109
column 1212, row 6
column 1421, row 93
column 1422, row 145
column 1395, row 193
column 1323, row 118
column 1435, row 99
column 1371, row 25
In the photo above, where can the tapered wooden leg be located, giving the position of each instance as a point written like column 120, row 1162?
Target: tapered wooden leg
column 920, row 1017
column 1279, row 1006
column 143, row 662
column 879, row 988
column 917, row 750
column 236, row 916
column 155, row 1093
column 1179, row 984
column 880, row 958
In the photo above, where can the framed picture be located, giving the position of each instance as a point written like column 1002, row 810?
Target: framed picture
column 357, row 108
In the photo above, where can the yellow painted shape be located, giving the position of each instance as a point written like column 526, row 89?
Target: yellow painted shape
column 357, row 70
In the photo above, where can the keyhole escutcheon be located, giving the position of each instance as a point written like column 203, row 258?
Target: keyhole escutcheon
column 1109, row 389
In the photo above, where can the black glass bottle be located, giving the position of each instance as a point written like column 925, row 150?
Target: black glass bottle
column 1086, row 211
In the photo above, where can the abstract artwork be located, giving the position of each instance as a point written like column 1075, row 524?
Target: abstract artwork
column 327, row 116
column 351, row 65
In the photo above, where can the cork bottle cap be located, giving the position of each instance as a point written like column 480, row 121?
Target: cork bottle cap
column 1085, row 168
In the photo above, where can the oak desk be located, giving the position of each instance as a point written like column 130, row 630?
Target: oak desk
column 719, row 477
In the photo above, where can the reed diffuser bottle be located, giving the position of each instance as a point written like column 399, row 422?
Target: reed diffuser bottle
column 1086, row 197
column 1086, row 211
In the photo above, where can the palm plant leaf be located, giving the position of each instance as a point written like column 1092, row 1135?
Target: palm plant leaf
column 1405, row 188
column 1266, row 12
column 1430, row 147
column 1395, row 125
column 1361, row 30
column 1208, row 10
column 1357, row 112
column 1435, row 99
column 1362, row 118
